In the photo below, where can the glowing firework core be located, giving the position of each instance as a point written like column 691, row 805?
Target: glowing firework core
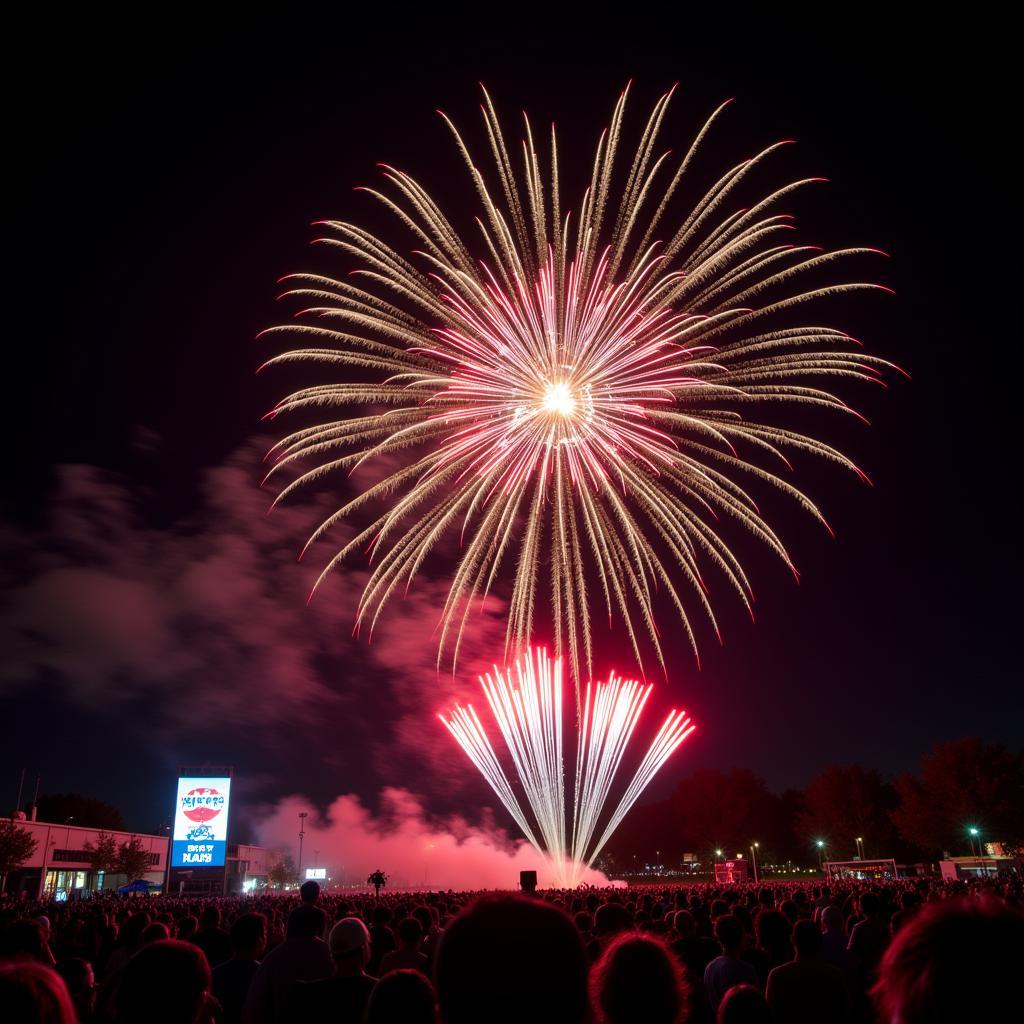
column 559, row 400
column 584, row 394
column 526, row 703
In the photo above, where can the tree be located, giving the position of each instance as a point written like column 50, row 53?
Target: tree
column 133, row 859
column 103, row 854
column 16, row 846
column 79, row 810
column 282, row 871
column 727, row 811
column 963, row 784
column 708, row 811
column 845, row 803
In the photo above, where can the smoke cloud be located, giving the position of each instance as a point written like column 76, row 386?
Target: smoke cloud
column 200, row 628
column 400, row 839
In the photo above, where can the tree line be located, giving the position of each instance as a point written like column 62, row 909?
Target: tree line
column 961, row 785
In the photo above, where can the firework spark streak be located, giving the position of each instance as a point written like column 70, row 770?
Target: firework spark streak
column 527, row 706
column 581, row 396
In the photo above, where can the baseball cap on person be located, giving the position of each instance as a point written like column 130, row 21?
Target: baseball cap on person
column 348, row 935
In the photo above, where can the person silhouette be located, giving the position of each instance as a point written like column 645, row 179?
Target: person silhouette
column 377, row 880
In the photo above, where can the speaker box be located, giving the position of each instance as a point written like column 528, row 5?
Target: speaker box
column 528, row 881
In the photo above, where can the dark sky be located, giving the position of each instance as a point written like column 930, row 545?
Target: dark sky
column 166, row 175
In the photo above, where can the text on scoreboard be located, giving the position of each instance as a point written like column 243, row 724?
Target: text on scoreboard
column 200, row 835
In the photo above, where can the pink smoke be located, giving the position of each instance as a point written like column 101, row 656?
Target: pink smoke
column 414, row 851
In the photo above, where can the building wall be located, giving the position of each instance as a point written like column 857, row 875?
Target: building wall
column 256, row 858
column 54, row 842
column 62, row 848
column 61, row 860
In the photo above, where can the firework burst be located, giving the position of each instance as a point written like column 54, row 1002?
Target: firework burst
column 526, row 704
column 582, row 397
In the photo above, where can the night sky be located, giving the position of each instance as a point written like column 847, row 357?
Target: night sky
column 167, row 175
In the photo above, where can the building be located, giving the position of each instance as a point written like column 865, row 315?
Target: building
column 245, row 868
column 980, row 867
column 61, row 865
column 878, row 869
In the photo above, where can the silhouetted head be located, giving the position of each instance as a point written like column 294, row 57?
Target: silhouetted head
column 404, row 996
column 685, row 924
column 306, row 922
column 612, row 918
column 410, row 932
column 773, row 930
column 249, row 935
column 729, row 933
column 954, row 961
column 506, row 960
column 744, row 1004
column 166, row 982
column 25, row 940
column 350, row 945
column 309, row 892
column 870, row 904
column 31, row 991
column 154, row 933
column 80, row 979
column 832, row 920
column 806, row 939
column 132, row 931
column 637, row 979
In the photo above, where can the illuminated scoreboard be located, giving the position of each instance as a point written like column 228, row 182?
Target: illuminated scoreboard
column 200, row 836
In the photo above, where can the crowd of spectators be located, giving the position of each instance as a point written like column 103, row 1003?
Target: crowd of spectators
column 904, row 951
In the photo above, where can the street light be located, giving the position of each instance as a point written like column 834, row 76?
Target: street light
column 821, row 851
column 303, row 815
column 974, row 834
column 753, row 858
column 860, row 848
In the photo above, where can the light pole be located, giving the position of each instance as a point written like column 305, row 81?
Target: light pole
column 860, row 848
column 753, row 859
column 821, row 851
column 976, row 834
column 303, row 815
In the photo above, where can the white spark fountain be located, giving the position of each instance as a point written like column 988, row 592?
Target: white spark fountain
column 526, row 703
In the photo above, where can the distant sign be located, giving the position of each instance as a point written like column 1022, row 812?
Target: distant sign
column 200, row 835
column 731, row 871
column 315, row 873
